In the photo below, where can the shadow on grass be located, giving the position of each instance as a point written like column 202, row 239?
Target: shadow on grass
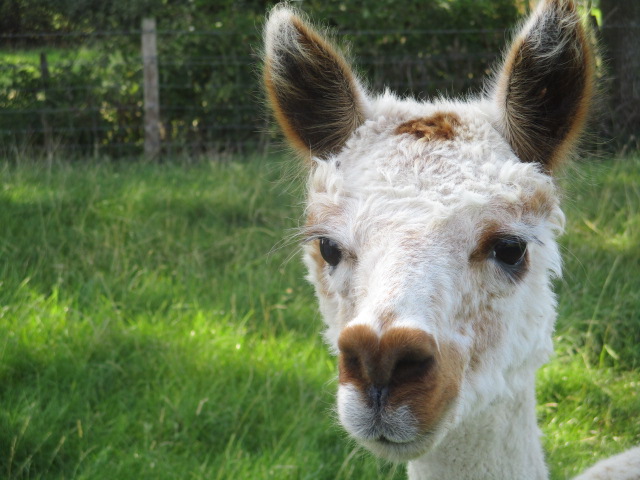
column 129, row 401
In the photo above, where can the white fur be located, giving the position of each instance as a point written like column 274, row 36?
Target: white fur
column 385, row 190
column 624, row 466
column 397, row 425
column 392, row 193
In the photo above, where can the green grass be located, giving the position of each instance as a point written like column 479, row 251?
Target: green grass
column 589, row 395
column 153, row 324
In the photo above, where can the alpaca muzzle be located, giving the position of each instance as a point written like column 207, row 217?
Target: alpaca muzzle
column 399, row 381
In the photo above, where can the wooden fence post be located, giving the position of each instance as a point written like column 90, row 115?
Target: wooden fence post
column 151, row 89
column 46, row 128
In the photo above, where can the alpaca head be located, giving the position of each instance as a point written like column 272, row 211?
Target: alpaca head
column 430, row 230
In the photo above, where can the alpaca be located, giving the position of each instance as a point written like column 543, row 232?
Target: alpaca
column 430, row 238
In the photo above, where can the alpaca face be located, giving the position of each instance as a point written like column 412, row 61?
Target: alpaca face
column 431, row 261
column 430, row 233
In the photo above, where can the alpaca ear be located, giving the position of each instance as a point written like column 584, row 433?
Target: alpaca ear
column 314, row 95
column 546, row 85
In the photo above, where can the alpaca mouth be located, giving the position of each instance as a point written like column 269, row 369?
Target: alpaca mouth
column 386, row 441
column 395, row 450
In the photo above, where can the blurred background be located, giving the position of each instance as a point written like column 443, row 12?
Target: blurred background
column 72, row 71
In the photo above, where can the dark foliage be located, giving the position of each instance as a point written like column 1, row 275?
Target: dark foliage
column 208, row 63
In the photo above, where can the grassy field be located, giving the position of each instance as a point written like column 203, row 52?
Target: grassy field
column 154, row 325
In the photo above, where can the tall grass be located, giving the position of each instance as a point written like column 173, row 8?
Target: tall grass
column 153, row 324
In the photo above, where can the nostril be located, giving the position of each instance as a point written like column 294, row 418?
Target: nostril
column 412, row 367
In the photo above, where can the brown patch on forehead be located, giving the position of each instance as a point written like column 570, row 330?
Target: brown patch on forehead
column 440, row 126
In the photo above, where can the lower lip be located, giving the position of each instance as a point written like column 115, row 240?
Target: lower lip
column 386, row 441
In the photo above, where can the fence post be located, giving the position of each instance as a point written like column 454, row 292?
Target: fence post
column 46, row 128
column 151, row 89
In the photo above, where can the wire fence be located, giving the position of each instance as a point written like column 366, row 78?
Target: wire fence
column 84, row 94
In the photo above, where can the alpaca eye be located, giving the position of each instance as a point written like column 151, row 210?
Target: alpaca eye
column 330, row 251
column 510, row 251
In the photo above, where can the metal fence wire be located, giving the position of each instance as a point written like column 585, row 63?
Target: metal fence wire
column 84, row 93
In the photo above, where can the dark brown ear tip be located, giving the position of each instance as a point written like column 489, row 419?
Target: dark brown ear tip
column 545, row 88
column 313, row 93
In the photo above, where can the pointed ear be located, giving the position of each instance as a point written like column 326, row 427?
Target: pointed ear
column 546, row 85
column 315, row 97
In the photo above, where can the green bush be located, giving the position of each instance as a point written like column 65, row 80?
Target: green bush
column 209, row 67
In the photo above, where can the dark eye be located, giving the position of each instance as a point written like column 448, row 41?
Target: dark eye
column 330, row 251
column 510, row 251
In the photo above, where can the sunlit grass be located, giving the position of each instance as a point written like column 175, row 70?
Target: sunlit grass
column 153, row 324
column 589, row 395
column 600, row 296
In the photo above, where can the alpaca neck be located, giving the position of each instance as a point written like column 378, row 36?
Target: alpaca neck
column 501, row 442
